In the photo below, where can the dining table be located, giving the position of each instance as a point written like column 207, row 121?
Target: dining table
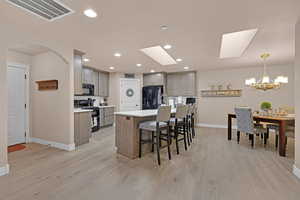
column 281, row 121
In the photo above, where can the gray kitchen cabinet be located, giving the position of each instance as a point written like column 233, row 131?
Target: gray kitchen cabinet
column 103, row 84
column 106, row 116
column 96, row 82
column 77, row 73
column 82, row 128
column 154, row 79
column 87, row 75
column 181, row 84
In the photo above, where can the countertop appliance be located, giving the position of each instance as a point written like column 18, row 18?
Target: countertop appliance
column 88, row 89
column 152, row 97
column 89, row 105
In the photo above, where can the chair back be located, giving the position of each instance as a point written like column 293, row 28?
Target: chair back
column 288, row 109
column 189, row 109
column 244, row 120
column 163, row 114
column 181, row 111
column 194, row 109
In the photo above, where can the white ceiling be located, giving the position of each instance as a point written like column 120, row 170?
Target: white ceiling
column 195, row 30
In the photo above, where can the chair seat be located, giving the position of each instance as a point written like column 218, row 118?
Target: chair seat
column 259, row 130
column 290, row 131
column 273, row 127
column 172, row 121
column 151, row 125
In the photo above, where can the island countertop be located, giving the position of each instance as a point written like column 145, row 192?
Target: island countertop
column 140, row 113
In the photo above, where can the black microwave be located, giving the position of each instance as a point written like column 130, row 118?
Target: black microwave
column 88, row 89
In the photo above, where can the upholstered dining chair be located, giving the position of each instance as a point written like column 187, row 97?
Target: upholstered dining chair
column 290, row 129
column 155, row 128
column 179, row 126
column 246, row 125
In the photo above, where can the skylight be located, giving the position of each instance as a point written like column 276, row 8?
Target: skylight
column 235, row 44
column 158, row 54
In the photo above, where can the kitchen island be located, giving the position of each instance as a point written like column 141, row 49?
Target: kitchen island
column 127, row 131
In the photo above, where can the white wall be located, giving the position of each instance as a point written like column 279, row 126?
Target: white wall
column 18, row 58
column 214, row 110
column 297, row 98
column 50, row 110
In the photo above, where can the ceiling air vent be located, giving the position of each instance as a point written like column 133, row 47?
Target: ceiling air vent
column 46, row 9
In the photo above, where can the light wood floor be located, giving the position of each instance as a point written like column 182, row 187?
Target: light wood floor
column 212, row 169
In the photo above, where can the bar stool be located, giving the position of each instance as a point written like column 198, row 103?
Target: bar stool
column 189, row 124
column 155, row 128
column 179, row 126
column 194, row 111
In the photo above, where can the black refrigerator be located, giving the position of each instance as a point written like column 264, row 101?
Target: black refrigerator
column 152, row 97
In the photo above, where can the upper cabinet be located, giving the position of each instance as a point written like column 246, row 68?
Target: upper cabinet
column 103, row 84
column 96, row 82
column 154, row 79
column 181, row 84
column 99, row 79
column 87, row 75
column 77, row 72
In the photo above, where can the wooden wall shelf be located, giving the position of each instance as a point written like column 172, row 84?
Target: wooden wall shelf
column 47, row 85
column 221, row 93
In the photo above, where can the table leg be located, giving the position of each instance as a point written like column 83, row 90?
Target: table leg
column 282, row 138
column 229, row 127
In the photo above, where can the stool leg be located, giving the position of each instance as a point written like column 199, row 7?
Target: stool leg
column 140, row 144
column 238, row 136
column 168, row 141
column 176, row 138
column 276, row 141
column 152, row 139
column 157, row 145
column 184, row 137
column 188, row 133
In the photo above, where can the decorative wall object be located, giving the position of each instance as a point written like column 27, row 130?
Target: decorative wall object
column 47, row 85
column 221, row 93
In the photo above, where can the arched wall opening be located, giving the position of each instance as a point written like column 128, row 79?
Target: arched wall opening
column 49, row 113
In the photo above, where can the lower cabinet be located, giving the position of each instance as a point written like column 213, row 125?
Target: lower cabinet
column 107, row 116
column 82, row 128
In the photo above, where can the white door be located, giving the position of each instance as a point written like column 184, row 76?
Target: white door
column 16, row 105
column 130, row 94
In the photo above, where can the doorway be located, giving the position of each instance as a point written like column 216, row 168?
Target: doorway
column 130, row 94
column 17, row 98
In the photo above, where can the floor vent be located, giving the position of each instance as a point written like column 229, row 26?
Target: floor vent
column 47, row 9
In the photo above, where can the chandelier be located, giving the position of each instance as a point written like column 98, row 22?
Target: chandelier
column 266, row 83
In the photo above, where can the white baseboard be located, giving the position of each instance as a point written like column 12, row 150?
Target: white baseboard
column 214, row 126
column 296, row 171
column 67, row 147
column 4, row 170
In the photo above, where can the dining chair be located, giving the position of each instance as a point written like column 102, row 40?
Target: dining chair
column 178, row 125
column 289, row 129
column 156, row 129
column 246, row 125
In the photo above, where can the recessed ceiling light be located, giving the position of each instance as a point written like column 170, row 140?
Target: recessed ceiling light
column 163, row 27
column 234, row 44
column 90, row 13
column 138, row 65
column 160, row 55
column 186, row 68
column 117, row 55
column 152, row 71
column 86, row 60
column 112, row 68
column 178, row 59
column 167, row 46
